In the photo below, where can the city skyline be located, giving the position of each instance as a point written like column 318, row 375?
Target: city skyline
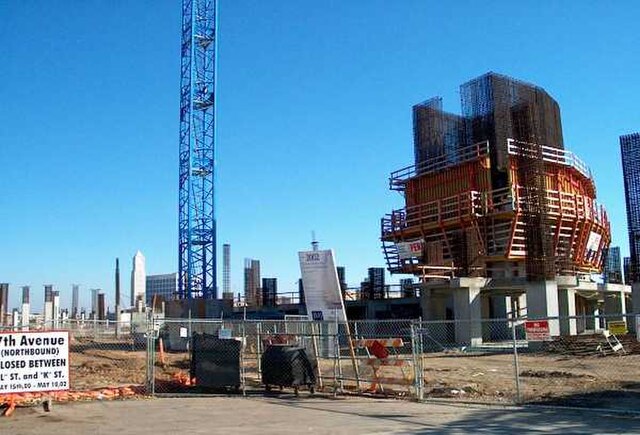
column 358, row 109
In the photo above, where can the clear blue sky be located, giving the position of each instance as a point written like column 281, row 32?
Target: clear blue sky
column 314, row 102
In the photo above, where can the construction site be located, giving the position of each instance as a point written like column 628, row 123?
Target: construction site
column 500, row 220
column 500, row 231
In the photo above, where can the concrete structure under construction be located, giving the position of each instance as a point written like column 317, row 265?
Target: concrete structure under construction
column 26, row 308
column 499, row 219
column 4, row 303
column 252, row 293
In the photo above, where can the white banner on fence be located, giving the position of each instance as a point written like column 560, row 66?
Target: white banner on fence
column 322, row 293
column 34, row 361
column 410, row 249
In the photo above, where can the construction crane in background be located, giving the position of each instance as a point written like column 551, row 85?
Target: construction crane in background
column 196, row 205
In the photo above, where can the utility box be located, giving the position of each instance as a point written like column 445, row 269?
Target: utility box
column 287, row 366
column 215, row 362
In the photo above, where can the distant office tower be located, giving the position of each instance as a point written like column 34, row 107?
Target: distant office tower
column 56, row 309
column 626, row 269
column 138, row 280
column 376, row 279
column 26, row 307
column 163, row 287
column 48, row 306
column 630, row 150
column 75, row 297
column 269, row 291
column 4, row 302
column 342, row 280
column 300, row 292
column 226, row 271
column 613, row 266
column 94, row 302
column 102, row 307
column 117, row 283
column 365, row 289
column 252, row 282
column 406, row 286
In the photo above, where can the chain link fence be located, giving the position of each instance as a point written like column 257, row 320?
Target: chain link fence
column 586, row 361
column 107, row 360
column 488, row 361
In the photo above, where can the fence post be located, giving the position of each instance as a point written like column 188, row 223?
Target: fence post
column 243, row 381
column 416, row 350
column 338, row 353
column 515, row 361
column 259, row 347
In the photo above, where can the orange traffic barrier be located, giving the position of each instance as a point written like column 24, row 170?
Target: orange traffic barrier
column 11, row 401
column 162, row 357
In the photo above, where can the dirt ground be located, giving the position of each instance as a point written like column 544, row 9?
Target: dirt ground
column 592, row 381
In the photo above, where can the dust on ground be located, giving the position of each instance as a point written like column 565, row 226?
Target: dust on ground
column 545, row 377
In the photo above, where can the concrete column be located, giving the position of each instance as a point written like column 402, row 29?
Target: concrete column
column 24, row 321
column 48, row 315
column 434, row 305
column 56, row 310
column 467, row 310
column 567, row 308
column 542, row 302
column 434, row 308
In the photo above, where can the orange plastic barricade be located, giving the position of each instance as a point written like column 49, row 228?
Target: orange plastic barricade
column 383, row 352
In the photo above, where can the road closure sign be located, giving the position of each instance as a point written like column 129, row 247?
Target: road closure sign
column 34, row 361
column 537, row 330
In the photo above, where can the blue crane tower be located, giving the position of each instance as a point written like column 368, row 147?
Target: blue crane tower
column 196, row 205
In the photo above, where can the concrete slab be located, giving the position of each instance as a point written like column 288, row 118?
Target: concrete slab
column 305, row 415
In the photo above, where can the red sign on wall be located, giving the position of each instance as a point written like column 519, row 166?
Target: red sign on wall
column 537, row 330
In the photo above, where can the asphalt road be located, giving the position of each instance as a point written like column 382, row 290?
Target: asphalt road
column 288, row 415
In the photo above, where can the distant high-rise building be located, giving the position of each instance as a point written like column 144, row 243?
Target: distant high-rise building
column 102, row 307
column 4, row 302
column 48, row 306
column 612, row 270
column 26, row 311
column 226, row 271
column 163, row 287
column 626, row 268
column 630, row 150
column 56, row 309
column 94, row 302
column 365, row 289
column 138, row 279
column 342, row 280
column 252, row 282
column 376, row 279
column 300, row 291
column 75, row 297
column 269, row 292
column 118, row 295
column 406, row 286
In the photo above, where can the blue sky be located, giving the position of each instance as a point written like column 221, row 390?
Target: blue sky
column 314, row 103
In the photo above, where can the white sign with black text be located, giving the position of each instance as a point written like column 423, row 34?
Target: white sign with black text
column 322, row 294
column 34, row 361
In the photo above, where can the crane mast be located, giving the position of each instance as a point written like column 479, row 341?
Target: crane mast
column 196, row 205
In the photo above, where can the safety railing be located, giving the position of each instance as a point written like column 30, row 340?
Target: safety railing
column 466, row 154
column 549, row 154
